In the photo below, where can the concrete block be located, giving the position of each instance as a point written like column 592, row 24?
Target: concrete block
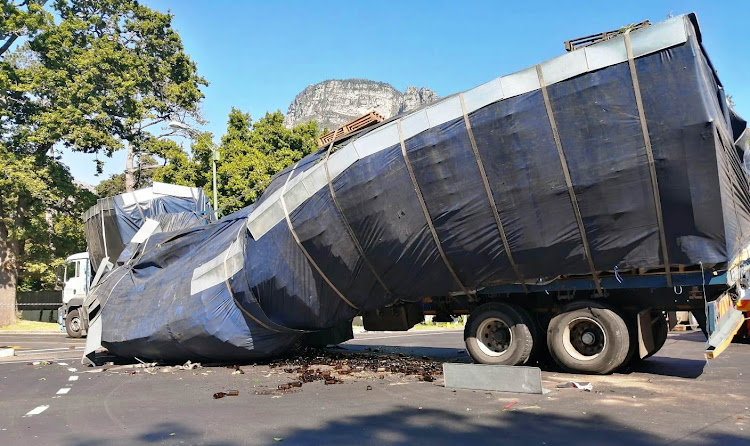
column 500, row 378
column 7, row 352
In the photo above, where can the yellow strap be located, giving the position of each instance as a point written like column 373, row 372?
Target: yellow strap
column 649, row 154
column 349, row 229
column 427, row 217
column 299, row 243
column 568, row 181
column 487, row 189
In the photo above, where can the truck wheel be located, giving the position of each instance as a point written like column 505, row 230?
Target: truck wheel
column 588, row 338
column 538, row 348
column 497, row 334
column 74, row 324
column 661, row 331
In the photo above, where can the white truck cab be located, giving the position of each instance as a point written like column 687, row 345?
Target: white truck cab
column 76, row 278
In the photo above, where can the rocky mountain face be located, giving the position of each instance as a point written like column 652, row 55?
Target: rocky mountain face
column 333, row 103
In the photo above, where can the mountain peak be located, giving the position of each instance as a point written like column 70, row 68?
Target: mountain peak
column 335, row 102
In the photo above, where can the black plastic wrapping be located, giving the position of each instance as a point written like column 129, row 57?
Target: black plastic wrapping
column 150, row 309
column 113, row 221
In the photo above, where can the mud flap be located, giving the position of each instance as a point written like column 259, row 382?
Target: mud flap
column 645, row 333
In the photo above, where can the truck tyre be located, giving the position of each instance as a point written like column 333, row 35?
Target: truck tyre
column 498, row 334
column 74, row 324
column 539, row 346
column 587, row 337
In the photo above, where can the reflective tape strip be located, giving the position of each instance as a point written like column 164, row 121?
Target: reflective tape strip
column 568, row 181
column 228, row 268
column 649, row 154
column 487, row 189
column 349, row 229
column 217, row 270
column 302, row 248
column 427, row 217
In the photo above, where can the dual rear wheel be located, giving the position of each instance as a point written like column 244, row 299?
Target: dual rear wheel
column 584, row 337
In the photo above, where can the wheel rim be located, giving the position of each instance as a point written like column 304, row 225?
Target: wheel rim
column 75, row 324
column 494, row 337
column 584, row 339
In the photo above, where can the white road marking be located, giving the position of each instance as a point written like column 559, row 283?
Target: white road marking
column 54, row 358
column 42, row 350
column 36, row 411
column 433, row 333
column 72, row 369
column 63, row 391
column 73, row 378
column 62, row 363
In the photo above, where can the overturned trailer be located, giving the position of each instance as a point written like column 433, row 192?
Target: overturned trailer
column 614, row 170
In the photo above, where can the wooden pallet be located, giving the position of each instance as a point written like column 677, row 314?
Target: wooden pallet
column 574, row 44
column 350, row 127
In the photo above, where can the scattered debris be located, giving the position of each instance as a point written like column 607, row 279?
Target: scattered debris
column 219, row 395
column 530, row 407
column 509, row 405
column 142, row 365
column 588, row 387
column 41, row 363
column 190, row 366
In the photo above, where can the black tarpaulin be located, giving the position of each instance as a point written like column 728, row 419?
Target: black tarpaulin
column 411, row 215
column 113, row 221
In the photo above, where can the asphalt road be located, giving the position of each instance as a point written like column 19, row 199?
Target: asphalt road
column 674, row 397
column 49, row 345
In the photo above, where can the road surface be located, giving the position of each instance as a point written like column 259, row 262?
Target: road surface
column 674, row 397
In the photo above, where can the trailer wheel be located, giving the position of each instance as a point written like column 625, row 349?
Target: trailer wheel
column 660, row 333
column 74, row 324
column 539, row 347
column 498, row 334
column 588, row 338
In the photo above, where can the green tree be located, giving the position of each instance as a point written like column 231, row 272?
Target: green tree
column 251, row 154
column 115, row 184
column 92, row 75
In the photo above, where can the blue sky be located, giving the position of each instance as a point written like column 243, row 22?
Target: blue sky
column 258, row 55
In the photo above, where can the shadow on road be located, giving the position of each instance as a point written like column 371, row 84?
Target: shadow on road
column 162, row 433
column 656, row 365
column 437, row 353
column 666, row 366
column 408, row 427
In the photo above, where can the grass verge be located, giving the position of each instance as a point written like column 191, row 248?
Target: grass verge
column 438, row 326
column 23, row 325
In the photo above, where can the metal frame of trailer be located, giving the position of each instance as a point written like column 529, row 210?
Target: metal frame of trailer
column 715, row 295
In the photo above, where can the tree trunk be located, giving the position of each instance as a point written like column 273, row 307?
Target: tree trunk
column 8, row 280
column 130, row 169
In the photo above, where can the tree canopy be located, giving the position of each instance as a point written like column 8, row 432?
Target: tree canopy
column 251, row 154
column 94, row 76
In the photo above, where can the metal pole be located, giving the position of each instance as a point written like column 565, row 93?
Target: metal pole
column 216, row 199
